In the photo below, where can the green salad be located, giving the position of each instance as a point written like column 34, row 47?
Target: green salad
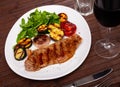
column 37, row 18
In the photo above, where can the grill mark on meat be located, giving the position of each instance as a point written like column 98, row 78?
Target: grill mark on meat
column 57, row 45
column 58, row 52
column 69, row 47
column 44, row 58
column 63, row 57
column 48, row 55
column 52, row 54
column 38, row 61
column 55, row 51
column 61, row 49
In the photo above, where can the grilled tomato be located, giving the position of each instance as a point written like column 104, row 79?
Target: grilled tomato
column 68, row 28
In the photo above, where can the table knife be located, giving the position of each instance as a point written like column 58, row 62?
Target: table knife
column 90, row 78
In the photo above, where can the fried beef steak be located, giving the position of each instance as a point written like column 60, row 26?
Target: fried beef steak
column 58, row 52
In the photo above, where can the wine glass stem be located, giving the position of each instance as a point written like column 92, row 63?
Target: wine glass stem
column 108, row 34
column 108, row 43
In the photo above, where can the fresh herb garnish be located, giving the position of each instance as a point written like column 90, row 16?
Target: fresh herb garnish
column 37, row 18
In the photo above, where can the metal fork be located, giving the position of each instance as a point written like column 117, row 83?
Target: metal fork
column 106, row 83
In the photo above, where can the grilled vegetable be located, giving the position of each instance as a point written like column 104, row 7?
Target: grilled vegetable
column 17, row 46
column 20, row 53
column 55, row 33
column 68, row 28
column 62, row 20
column 20, row 48
column 25, row 42
column 56, row 25
column 63, row 17
column 42, row 28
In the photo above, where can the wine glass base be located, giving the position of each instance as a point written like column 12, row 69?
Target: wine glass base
column 107, row 49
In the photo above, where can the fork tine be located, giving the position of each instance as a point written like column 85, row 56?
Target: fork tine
column 105, row 83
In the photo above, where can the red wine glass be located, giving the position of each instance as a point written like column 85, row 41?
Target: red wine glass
column 107, row 13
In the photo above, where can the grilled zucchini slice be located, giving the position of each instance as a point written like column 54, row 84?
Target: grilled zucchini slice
column 63, row 17
column 25, row 43
column 55, row 33
column 20, row 53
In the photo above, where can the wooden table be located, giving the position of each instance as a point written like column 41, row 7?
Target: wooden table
column 11, row 10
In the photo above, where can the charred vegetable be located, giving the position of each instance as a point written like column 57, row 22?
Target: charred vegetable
column 55, row 33
column 20, row 48
column 20, row 53
column 42, row 28
column 17, row 47
column 63, row 17
column 25, row 42
column 56, row 25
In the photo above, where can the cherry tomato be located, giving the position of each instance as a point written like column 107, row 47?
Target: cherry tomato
column 68, row 28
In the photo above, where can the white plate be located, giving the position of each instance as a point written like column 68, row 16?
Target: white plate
column 57, row 70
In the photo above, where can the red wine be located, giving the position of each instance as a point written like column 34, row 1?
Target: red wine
column 107, row 12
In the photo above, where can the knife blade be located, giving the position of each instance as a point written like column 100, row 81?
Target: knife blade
column 90, row 78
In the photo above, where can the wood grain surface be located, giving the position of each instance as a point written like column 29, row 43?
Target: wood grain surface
column 11, row 10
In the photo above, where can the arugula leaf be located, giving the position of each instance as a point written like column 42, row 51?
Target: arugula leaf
column 23, row 21
column 21, row 35
column 32, row 33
